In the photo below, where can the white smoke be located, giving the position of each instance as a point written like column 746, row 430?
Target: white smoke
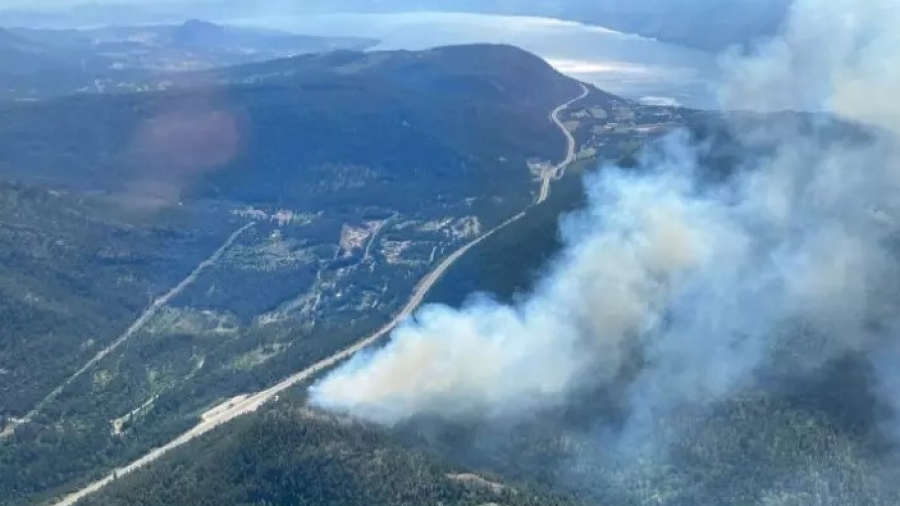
column 622, row 259
column 709, row 284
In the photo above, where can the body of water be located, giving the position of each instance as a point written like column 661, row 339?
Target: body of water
column 625, row 64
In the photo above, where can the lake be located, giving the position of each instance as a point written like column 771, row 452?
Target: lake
column 629, row 65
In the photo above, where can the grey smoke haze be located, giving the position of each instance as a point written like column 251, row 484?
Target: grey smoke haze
column 709, row 283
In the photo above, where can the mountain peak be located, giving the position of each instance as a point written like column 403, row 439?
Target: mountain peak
column 196, row 32
column 199, row 24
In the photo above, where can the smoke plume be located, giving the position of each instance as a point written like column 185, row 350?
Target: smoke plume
column 790, row 262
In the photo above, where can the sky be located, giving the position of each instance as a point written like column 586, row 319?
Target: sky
column 43, row 4
column 55, row 4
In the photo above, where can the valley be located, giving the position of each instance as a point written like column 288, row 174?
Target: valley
column 311, row 240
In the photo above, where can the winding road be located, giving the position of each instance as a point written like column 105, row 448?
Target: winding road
column 245, row 404
column 558, row 171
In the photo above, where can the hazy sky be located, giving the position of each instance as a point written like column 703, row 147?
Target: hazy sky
column 41, row 5
column 69, row 3
column 44, row 4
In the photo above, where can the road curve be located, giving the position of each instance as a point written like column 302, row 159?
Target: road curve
column 559, row 170
column 138, row 324
column 243, row 405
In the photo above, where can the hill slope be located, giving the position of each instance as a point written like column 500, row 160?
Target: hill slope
column 452, row 117
column 349, row 175
column 70, row 276
column 296, row 457
column 21, row 56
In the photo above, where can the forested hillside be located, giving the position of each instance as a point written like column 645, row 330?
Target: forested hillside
column 294, row 456
column 170, row 250
column 71, row 276
column 446, row 123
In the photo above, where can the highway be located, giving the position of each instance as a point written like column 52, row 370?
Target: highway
column 245, row 404
column 558, row 171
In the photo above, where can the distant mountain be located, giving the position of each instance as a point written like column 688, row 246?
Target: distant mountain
column 205, row 36
column 711, row 25
column 216, row 42
column 19, row 55
column 192, row 44
column 195, row 33
column 41, row 63
column 451, row 117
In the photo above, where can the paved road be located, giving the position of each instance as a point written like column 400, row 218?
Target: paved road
column 138, row 324
column 242, row 405
column 245, row 404
column 559, row 170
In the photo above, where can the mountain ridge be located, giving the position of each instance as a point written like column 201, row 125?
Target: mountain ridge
column 328, row 101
